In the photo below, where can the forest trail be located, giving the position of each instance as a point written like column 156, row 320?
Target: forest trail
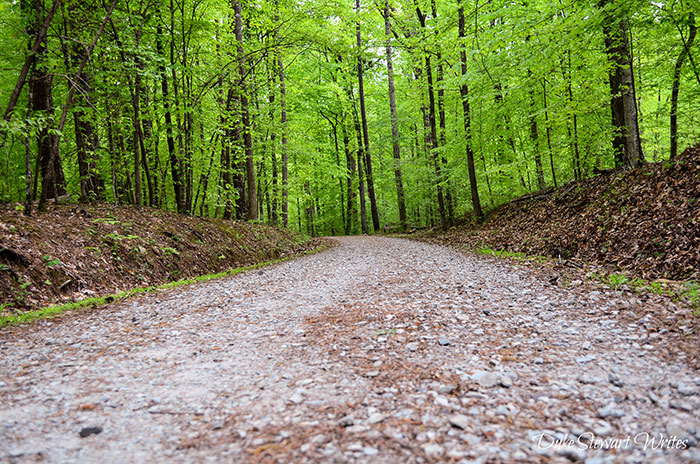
column 380, row 349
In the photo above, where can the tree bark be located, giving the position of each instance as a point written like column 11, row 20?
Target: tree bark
column 626, row 142
column 172, row 154
column 396, row 147
column 283, row 121
column 433, row 127
column 245, row 116
column 38, row 36
column 464, row 94
column 675, row 87
column 365, row 131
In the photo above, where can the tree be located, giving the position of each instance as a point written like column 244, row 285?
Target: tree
column 466, row 112
column 626, row 143
column 396, row 147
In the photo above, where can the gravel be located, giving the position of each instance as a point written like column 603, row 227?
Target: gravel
column 340, row 356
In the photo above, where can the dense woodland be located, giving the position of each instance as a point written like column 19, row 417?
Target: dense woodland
column 336, row 117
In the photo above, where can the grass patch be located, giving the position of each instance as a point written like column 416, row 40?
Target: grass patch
column 683, row 291
column 510, row 254
column 55, row 310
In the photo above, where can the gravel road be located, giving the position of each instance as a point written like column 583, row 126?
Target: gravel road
column 377, row 350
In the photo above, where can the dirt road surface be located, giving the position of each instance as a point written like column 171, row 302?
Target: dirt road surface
column 377, row 350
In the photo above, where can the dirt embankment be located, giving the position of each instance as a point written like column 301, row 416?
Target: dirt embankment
column 73, row 252
column 643, row 222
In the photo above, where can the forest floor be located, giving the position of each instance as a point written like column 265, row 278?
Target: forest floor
column 376, row 350
column 639, row 228
column 71, row 253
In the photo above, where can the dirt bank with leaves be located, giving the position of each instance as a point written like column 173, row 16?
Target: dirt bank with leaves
column 643, row 222
column 74, row 252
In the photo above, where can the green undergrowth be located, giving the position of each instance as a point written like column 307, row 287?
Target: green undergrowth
column 511, row 254
column 55, row 310
column 684, row 291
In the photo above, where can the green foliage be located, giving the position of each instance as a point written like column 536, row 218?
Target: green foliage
column 617, row 280
column 170, row 251
column 519, row 56
column 51, row 262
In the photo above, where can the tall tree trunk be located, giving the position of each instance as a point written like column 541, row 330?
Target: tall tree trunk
column 442, row 138
column 365, row 131
column 394, row 121
column 626, row 142
column 351, row 195
column 283, row 121
column 535, row 134
column 574, row 140
column 28, row 198
column 172, row 154
column 433, row 127
column 548, row 130
column 464, row 94
column 38, row 47
column 245, row 115
column 53, row 182
column 677, row 81
column 360, row 174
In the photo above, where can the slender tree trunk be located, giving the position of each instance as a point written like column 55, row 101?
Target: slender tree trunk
column 35, row 51
column 464, row 94
column 172, row 154
column 394, row 121
column 434, row 156
column 360, row 174
column 365, row 131
column 245, row 116
column 53, row 182
column 549, row 132
column 351, row 195
column 626, row 142
column 442, row 138
column 535, row 137
column 675, row 87
column 28, row 161
column 283, row 121
column 574, row 140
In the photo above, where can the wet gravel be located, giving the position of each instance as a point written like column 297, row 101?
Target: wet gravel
column 379, row 350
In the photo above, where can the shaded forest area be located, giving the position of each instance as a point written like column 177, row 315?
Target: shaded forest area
column 333, row 117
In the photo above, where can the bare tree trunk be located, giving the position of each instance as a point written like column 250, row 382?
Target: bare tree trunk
column 535, row 137
column 245, row 116
column 433, row 126
column 365, row 131
column 464, row 93
column 626, row 143
column 677, row 81
column 549, row 132
column 574, row 140
column 174, row 162
column 400, row 198
column 39, row 37
column 360, row 175
column 351, row 195
column 28, row 161
column 283, row 120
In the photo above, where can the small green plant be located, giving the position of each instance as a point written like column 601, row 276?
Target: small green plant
column 95, row 250
column 4, row 267
column 617, row 280
column 170, row 251
column 51, row 262
column 107, row 220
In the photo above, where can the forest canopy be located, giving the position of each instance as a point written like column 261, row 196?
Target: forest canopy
column 337, row 117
